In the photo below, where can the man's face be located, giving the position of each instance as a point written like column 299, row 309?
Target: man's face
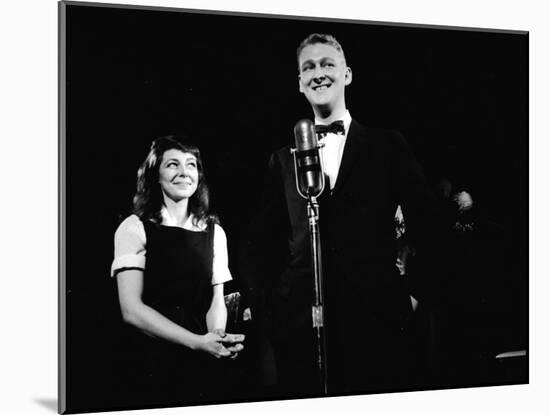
column 323, row 76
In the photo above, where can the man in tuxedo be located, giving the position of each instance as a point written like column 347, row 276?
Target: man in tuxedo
column 367, row 302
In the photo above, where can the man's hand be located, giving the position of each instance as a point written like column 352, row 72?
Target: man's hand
column 464, row 201
column 402, row 257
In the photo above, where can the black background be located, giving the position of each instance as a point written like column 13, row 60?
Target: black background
column 231, row 83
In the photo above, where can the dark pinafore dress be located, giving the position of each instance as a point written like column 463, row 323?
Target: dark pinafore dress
column 177, row 284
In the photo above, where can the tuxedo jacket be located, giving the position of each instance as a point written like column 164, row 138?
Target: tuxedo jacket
column 378, row 172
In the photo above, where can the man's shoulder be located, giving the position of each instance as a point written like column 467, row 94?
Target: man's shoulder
column 363, row 129
column 283, row 151
column 376, row 135
column 282, row 155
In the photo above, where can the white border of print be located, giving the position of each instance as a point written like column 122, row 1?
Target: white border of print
column 28, row 35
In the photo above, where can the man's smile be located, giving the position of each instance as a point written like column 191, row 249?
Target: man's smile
column 320, row 88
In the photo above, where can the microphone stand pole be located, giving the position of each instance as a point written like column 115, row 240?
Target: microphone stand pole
column 317, row 307
column 310, row 192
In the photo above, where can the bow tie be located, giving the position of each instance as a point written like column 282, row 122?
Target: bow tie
column 337, row 127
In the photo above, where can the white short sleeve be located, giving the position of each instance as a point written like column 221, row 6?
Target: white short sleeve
column 220, row 266
column 130, row 241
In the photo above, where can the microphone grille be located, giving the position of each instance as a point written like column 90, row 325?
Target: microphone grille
column 304, row 135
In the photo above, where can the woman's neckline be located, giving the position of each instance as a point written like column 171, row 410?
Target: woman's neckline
column 168, row 221
column 195, row 230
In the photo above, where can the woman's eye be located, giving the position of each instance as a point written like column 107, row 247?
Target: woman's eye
column 171, row 164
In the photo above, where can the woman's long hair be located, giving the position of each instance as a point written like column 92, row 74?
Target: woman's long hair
column 148, row 199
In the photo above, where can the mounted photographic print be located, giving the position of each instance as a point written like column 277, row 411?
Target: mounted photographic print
column 265, row 207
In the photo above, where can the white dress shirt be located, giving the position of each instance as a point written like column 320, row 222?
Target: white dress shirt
column 334, row 149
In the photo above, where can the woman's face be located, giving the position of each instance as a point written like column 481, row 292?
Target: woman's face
column 178, row 174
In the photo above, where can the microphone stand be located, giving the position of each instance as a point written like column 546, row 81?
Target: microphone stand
column 317, row 310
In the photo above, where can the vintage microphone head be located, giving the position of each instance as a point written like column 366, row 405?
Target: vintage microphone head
column 310, row 180
column 304, row 135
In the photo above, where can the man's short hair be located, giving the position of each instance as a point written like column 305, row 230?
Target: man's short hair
column 315, row 38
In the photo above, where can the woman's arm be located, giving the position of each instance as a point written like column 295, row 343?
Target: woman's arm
column 216, row 317
column 137, row 313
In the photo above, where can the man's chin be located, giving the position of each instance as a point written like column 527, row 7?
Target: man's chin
column 322, row 106
column 317, row 99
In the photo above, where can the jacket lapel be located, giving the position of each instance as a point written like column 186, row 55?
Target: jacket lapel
column 352, row 148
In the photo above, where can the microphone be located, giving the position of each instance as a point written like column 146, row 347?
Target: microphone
column 310, row 179
column 310, row 182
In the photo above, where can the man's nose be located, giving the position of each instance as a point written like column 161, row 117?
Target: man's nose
column 318, row 73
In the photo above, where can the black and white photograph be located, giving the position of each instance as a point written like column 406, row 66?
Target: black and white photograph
column 279, row 207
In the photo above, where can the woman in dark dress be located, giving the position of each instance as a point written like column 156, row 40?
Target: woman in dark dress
column 171, row 265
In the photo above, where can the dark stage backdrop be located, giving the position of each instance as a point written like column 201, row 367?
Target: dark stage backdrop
column 459, row 97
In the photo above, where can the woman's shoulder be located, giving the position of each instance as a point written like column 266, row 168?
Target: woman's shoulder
column 130, row 237
column 130, row 225
column 219, row 234
column 209, row 223
column 218, row 228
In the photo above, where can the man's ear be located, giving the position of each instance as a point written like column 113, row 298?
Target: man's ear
column 300, row 87
column 348, row 76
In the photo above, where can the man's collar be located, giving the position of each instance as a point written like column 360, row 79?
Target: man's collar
column 346, row 118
